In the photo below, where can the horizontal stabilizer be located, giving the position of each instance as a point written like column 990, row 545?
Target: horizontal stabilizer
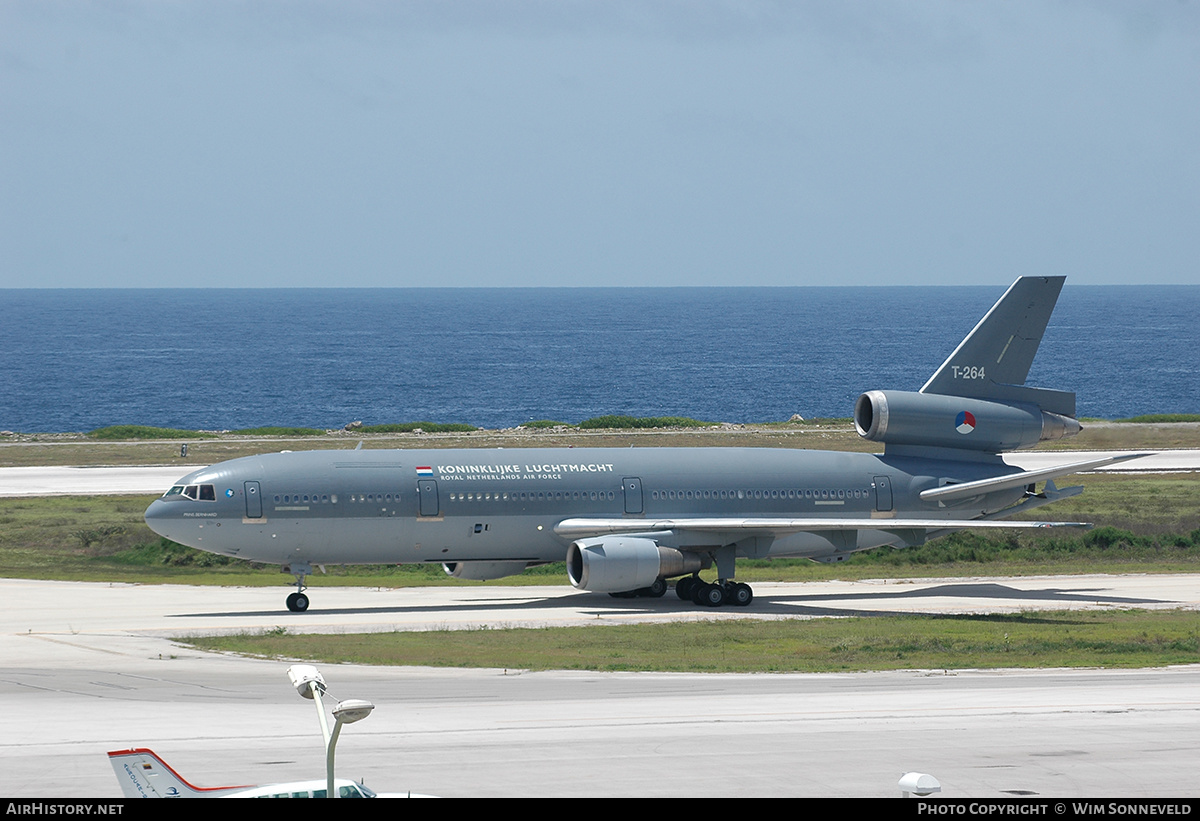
column 966, row 490
column 586, row 528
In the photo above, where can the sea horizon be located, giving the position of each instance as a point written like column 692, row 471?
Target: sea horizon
column 232, row 358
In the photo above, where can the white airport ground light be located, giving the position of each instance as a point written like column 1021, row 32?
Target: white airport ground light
column 920, row 784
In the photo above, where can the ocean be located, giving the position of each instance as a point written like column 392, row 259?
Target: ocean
column 220, row 359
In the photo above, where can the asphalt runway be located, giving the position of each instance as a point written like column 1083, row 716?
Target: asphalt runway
column 89, row 668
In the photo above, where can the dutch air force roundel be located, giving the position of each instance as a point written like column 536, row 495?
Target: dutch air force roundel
column 964, row 422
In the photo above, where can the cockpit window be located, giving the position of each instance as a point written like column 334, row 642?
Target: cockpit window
column 203, row 493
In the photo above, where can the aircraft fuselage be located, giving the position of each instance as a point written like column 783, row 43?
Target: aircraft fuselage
column 399, row 506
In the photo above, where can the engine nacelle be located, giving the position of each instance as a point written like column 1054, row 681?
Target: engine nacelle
column 615, row 564
column 935, row 420
column 483, row 571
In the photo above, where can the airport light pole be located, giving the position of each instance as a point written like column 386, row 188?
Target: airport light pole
column 309, row 683
column 346, row 712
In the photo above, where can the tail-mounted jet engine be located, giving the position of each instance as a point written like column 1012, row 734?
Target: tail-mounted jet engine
column 934, row 420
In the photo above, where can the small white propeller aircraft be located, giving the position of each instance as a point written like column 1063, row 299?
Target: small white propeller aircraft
column 144, row 775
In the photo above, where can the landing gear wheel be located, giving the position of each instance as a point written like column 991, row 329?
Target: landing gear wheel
column 710, row 595
column 298, row 602
column 653, row 591
column 684, row 587
column 740, row 595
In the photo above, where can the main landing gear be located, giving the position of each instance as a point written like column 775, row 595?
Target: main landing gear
column 721, row 592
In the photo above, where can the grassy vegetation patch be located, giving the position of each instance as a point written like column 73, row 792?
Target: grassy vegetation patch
column 114, row 433
column 1144, row 505
column 1163, row 417
column 279, row 431
column 1108, row 546
column 164, row 552
column 103, row 538
column 1045, row 639
column 623, row 422
column 545, row 423
column 427, row 427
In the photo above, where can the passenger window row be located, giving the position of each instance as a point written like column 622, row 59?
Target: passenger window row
column 555, row 496
column 810, row 494
column 298, row 499
column 332, row 499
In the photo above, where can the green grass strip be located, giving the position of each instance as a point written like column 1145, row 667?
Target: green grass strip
column 114, row 433
column 274, row 430
column 409, row 427
column 625, row 422
column 1128, row 639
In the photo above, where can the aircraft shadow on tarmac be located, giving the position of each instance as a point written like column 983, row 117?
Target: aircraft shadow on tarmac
column 970, row 594
column 776, row 604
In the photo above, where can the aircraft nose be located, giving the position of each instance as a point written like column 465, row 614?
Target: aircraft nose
column 158, row 518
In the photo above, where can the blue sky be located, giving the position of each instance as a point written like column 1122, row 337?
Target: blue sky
column 221, row 143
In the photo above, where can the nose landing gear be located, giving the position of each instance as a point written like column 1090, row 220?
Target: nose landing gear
column 298, row 601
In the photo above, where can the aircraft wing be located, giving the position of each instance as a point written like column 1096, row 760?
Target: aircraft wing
column 964, row 490
column 585, row 528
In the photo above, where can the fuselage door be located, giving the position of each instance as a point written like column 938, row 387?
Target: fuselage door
column 633, row 494
column 883, row 493
column 428, row 495
column 253, row 501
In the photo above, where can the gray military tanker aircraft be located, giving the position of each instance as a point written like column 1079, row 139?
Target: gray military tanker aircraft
column 627, row 520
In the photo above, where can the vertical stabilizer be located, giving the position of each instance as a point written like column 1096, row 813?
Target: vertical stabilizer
column 993, row 361
column 142, row 774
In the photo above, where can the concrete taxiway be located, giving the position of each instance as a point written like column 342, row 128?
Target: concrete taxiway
column 89, row 668
column 59, row 480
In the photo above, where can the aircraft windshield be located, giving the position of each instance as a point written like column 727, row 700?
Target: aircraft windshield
column 203, row 493
column 343, row 791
